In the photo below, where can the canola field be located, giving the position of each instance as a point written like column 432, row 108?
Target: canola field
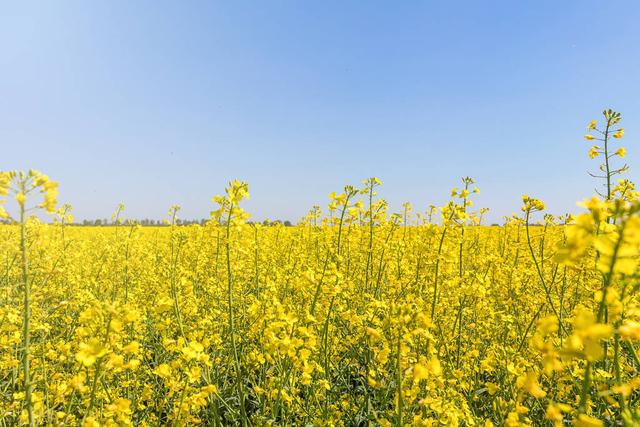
column 355, row 316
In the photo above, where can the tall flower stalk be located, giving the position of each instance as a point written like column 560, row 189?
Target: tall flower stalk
column 233, row 217
column 610, row 129
column 22, row 184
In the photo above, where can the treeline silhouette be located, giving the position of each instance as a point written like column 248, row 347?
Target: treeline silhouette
column 163, row 223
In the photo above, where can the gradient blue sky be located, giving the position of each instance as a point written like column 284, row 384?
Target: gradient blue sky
column 152, row 103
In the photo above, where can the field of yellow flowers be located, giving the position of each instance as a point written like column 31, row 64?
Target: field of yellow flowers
column 353, row 317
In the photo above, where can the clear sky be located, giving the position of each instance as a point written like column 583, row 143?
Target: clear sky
column 153, row 103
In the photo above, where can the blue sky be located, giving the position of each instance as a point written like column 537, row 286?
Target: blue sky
column 155, row 103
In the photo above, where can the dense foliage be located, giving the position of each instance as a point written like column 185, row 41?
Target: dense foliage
column 353, row 317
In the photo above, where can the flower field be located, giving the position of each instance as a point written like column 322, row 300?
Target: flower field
column 355, row 316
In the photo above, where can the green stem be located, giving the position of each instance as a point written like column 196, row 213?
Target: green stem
column 547, row 290
column 236, row 357
column 606, row 159
column 26, row 333
column 435, row 280
column 399, row 402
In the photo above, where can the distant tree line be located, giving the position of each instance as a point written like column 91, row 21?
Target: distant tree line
column 104, row 222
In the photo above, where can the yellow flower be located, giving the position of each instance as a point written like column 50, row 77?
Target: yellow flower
column 120, row 406
column 115, row 361
column 115, row 325
column 532, row 386
column 619, row 133
column 209, row 389
column 132, row 347
column 90, row 422
column 589, row 137
column 77, row 382
column 621, row 152
column 585, row 342
column 90, row 352
column 630, row 330
column 163, row 371
column 492, row 388
column 553, row 413
column 531, row 204
column 374, row 334
column 420, row 372
column 587, row 421
column 593, row 152
column 548, row 325
column 618, row 251
column 434, row 367
column 194, row 351
column 592, row 125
